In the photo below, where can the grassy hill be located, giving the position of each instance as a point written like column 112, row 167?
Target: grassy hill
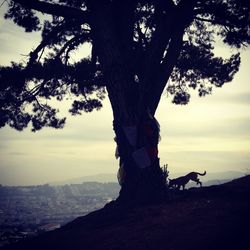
column 215, row 217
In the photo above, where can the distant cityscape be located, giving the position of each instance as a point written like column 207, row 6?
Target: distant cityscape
column 30, row 210
column 26, row 211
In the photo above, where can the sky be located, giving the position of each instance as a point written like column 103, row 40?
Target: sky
column 210, row 133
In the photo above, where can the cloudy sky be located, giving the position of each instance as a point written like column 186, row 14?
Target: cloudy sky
column 209, row 134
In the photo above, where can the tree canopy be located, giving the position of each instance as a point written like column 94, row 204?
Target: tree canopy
column 140, row 44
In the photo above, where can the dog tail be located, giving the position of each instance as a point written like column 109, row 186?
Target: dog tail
column 202, row 174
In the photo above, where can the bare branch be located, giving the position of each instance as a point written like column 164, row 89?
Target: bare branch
column 3, row 3
column 41, row 54
column 43, row 107
column 71, row 43
column 203, row 19
column 47, row 39
column 67, row 44
column 214, row 22
column 31, row 94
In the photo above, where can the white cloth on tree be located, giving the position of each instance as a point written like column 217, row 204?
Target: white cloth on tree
column 141, row 158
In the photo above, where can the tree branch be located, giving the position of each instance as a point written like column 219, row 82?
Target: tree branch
column 45, row 42
column 203, row 19
column 165, row 70
column 55, row 9
column 158, row 43
column 47, row 39
column 180, row 17
column 72, row 43
column 31, row 94
column 67, row 44
column 214, row 22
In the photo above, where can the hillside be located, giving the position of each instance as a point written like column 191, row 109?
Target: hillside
column 215, row 217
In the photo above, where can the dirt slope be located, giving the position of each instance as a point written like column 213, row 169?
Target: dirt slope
column 216, row 217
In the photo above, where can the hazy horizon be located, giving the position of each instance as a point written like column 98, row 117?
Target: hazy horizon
column 112, row 177
column 210, row 133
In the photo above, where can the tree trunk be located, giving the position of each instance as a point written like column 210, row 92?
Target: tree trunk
column 137, row 132
column 141, row 177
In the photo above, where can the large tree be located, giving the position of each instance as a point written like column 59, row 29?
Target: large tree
column 137, row 47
